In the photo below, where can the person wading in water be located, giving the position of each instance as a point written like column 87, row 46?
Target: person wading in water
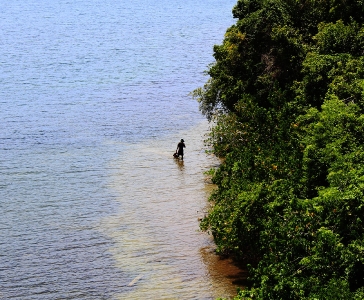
column 180, row 147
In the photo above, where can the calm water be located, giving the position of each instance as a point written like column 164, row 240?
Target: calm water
column 93, row 100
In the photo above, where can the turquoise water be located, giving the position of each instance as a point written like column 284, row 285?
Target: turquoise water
column 93, row 100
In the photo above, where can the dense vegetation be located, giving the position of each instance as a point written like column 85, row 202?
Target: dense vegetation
column 286, row 97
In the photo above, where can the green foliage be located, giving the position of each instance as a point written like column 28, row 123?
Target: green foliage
column 286, row 95
column 340, row 38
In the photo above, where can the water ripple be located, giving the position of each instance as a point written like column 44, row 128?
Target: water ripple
column 92, row 94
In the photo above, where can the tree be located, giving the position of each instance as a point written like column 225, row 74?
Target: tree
column 286, row 95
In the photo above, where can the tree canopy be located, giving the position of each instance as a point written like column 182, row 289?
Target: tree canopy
column 286, row 97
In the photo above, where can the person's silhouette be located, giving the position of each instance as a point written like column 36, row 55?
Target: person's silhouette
column 180, row 147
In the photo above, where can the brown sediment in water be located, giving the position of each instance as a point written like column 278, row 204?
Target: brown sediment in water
column 228, row 274
column 157, row 241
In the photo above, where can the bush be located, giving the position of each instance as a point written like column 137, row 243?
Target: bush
column 286, row 93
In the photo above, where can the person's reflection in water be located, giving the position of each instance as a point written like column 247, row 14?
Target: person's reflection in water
column 180, row 164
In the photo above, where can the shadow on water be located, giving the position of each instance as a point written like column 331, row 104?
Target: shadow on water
column 224, row 271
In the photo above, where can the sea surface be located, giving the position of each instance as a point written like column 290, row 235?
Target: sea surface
column 94, row 97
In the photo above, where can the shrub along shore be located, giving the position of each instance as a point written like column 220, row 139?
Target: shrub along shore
column 286, row 97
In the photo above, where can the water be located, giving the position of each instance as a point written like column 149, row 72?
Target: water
column 93, row 100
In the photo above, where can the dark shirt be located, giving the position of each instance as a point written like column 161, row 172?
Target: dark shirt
column 180, row 147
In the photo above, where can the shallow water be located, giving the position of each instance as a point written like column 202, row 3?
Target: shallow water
column 156, row 227
column 93, row 100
